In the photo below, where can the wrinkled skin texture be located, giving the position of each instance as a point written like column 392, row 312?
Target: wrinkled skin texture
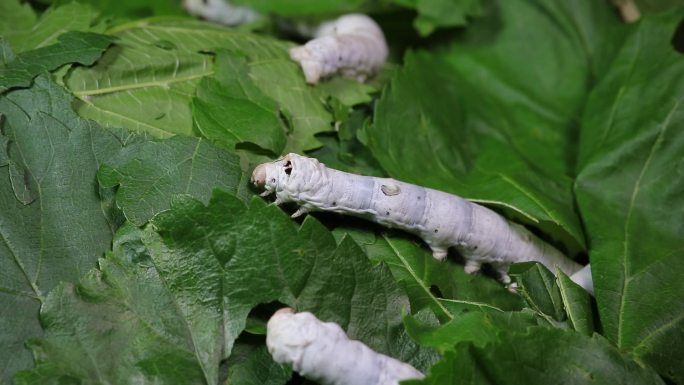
column 322, row 352
column 442, row 220
column 353, row 46
column 220, row 11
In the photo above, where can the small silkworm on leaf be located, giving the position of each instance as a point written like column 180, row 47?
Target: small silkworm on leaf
column 322, row 352
column 628, row 10
column 353, row 45
column 220, row 11
column 442, row 220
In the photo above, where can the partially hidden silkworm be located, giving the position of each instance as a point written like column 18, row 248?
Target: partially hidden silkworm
column 442, row 220
column 220, row 11
column 322, row 352
column 353, row 45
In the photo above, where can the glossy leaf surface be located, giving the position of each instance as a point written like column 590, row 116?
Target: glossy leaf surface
column 541, row 356
column 146, row 82
column 149, row 173
column 631, row 179
column 177, row 299
column 53, row 225
column 71, row 47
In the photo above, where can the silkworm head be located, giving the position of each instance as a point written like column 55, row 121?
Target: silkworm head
column 260, row 175
column 311, row 66
column 268, row 175
column 288, row 334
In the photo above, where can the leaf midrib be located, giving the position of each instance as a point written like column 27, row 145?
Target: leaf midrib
column 158, row 131
column 420, row 282
column 17, row 260
column 132, row 86
column 630, row 210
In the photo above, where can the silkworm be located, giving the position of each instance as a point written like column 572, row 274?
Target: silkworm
column 322, row 352
column 628, row 10
column 352, row 45
column 442, row 220
column 584, row 278
column 220, row 11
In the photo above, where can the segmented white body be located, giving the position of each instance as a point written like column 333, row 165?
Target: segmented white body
column 220, row 11
column 352, row 45
column 442, row 220
column 322, row 352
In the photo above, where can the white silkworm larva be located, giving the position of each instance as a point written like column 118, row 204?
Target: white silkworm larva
column 628, row 10
column 322, row 352
column 352, row 45
column 584, row 278
column 220, row 11
column 442, row 220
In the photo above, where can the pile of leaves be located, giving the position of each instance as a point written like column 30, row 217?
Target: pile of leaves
column 133, row 250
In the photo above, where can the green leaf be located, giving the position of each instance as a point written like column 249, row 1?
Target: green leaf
column 538, row 287
column 657, row 6
column 489, row 118
column 433, row 14
column 346, row 155
column 578, row 304
column 168, row 308
column 539, row 356
column 251, row 364
column 146, row 82
column 60, row 226
column 137, row 9
column 230, row 109
column 343, row 150
column 4, row 157
column 265, row 257
column 283, row 80
column 555, row 298
column 303, row 7
column 18, row 17
column 150, row 173
column 631, row 181
column 122, row 322
column 6, row 53
column 476, row 326
column 72, row 47
column 555, row 113
column 430, row 283
column 348, row 91
column 72, row 16
column 433, row 146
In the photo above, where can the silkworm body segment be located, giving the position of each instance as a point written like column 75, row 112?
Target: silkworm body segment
column 442, row 220
column 353, row 45
column 220, row 11
column 321, row 351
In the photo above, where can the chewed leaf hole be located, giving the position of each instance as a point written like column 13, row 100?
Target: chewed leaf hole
column 678, row 37
column 436, row 292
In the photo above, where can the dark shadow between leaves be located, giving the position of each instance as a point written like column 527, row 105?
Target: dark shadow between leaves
column 678, row 38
